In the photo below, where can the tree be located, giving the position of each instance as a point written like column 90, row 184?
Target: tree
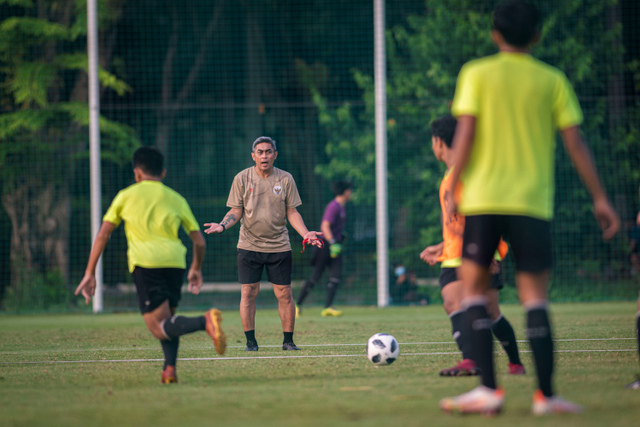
column 43, row 128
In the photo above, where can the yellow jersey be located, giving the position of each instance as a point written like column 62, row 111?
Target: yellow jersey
column 519, row 103
column 152, row 214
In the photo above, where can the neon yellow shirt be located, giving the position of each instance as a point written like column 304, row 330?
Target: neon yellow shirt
column 152, row 214
column 519, row 103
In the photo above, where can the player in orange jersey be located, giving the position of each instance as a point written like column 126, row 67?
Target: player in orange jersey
column 449, row 253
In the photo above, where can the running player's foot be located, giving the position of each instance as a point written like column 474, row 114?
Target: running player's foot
column 515, row 369
column 634, row 385
column 169, row 375
column 214, row 329
column 466, row 368
column 289, row 346
column 251, row 346
column 480, row 400
column 298, row 311
column 330, row 312
column 553, row 405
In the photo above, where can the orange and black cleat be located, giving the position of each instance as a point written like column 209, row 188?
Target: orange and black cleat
column 169, row 375
column 214, row 329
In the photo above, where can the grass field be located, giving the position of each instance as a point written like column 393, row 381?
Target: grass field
column 307, row 391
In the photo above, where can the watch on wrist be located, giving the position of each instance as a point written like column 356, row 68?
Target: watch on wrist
column 223, row 228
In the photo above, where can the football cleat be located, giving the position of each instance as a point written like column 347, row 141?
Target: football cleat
column 553, row 405
column 169, row 375
column 466, row 368
column 251, row 346
column 480, row 400
column 289, row 346
column 214, row 329
column 634, row 385
column 515, row 369
column 330, row 312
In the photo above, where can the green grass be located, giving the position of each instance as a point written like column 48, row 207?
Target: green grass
column 299, row 392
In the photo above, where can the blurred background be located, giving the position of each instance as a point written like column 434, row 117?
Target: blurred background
column 201, row 80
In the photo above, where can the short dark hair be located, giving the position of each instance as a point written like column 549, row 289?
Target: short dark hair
column 444, row 128
column 517, row 21
column 262, row 140
column 339, row 187
column 150, row 160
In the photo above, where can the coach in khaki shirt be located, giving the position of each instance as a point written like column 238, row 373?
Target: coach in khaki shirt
column 263, row 198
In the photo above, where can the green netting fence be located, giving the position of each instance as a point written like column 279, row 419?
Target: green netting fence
column 202, row 79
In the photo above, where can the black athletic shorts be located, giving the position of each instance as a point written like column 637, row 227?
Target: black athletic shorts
column 448, row 275
column 529, row 238
column 157, row 285
column 322, row 260
column 251, row 264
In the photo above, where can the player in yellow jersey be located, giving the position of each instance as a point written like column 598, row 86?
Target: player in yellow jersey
column 509, row 107
column 449, row 253
column 153, row 213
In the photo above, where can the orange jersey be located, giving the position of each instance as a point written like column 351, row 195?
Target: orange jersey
column 453, row 228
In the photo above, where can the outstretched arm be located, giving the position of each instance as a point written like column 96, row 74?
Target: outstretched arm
column 296, row 221
column 227, row 222
column 88, row 283
column 581, row 157
column 195, row 272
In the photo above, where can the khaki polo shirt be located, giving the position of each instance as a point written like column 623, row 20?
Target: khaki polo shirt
column 265, row 202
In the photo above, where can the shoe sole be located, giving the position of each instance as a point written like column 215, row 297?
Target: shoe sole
column 214, row 319
column 169, row 381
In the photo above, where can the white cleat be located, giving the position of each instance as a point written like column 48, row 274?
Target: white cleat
column 481, row 400
column 553, row 405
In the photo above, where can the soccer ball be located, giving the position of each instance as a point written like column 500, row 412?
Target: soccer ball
column 382, row 349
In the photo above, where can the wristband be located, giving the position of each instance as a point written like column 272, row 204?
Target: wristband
column 223, row 227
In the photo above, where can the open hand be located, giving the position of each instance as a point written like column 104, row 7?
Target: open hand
column 214, row 228
column 313, row 237
column 87, row 286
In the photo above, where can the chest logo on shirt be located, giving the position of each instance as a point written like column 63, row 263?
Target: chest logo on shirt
column 277, row 190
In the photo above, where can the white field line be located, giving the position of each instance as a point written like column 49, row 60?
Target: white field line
column 97, row 350
column 51, row 362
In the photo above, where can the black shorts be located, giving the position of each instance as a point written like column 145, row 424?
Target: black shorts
column 251, row 264
column 322, row 260
column 529, row 238
column 157, row 285
column 449, row 274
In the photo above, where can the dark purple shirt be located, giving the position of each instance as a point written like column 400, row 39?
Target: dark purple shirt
column 336, row 215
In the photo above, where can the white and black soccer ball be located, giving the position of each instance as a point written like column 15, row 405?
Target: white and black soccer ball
column 382, row 349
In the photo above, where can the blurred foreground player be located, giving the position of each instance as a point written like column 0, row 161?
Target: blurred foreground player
column 263, row 198
column 329, row 256
column 449, row 253
column 636, row 384
column 508, row 107
column 153, row 213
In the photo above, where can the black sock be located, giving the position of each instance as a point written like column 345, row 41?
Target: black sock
column 251, row 336
column 332, row 287
column 288, row 337
column 503, row 331
column 478, row 326
column 462, row 340
column 180, row 325
column 539, row 334
column 170, row 350
column 308, row 285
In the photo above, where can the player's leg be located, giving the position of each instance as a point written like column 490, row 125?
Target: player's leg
column 481, row 236
column 636, row 384
column 279, row 266
column 531, row 243
column 451, row 291
column 335, row 277
column 502, row 328
column 250, row 267
column 321, row 259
